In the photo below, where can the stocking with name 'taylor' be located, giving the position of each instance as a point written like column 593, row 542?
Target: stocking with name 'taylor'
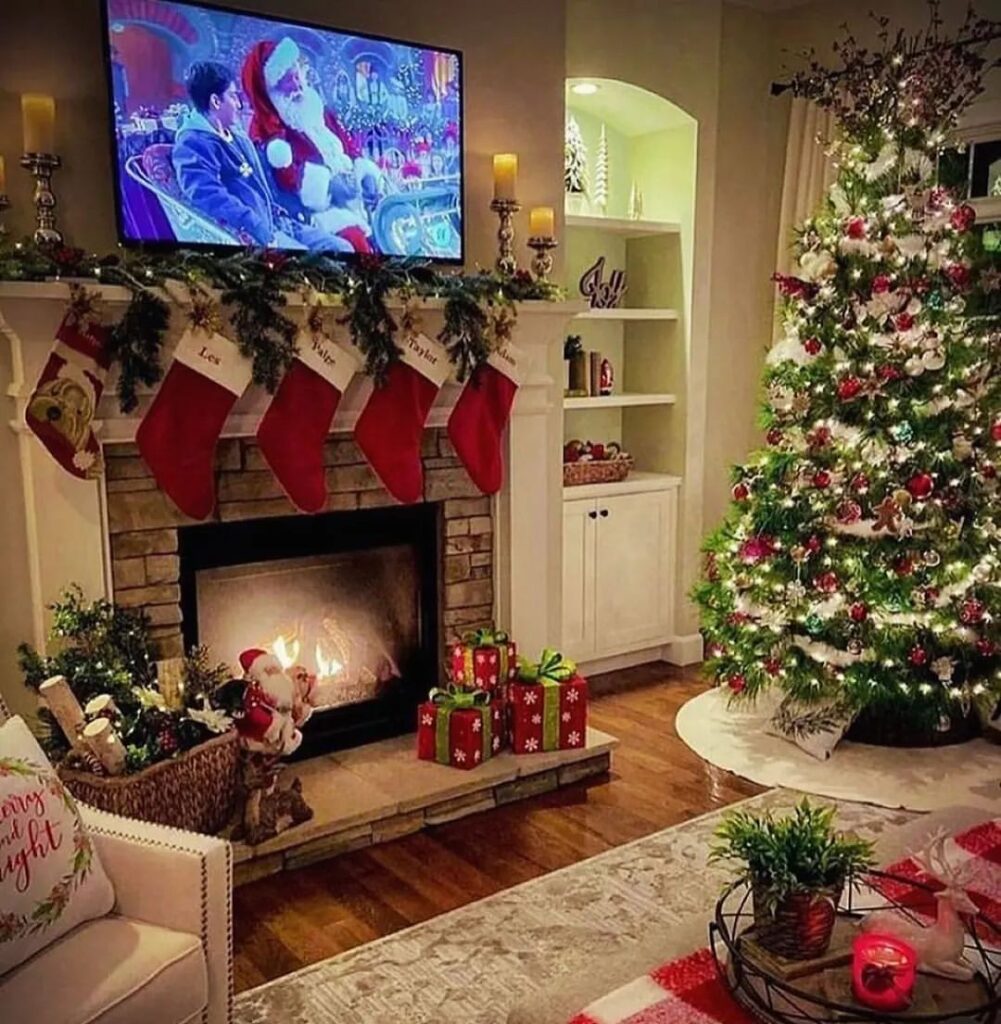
column 178, row 435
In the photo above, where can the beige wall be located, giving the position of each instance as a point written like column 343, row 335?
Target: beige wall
column 514, row 101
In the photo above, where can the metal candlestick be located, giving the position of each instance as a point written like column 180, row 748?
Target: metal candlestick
column 542, row 261
column 41, row 166
column 4, row 205
column 505, row 210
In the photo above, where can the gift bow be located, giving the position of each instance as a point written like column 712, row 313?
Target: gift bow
column 552, row 668
column 454, row 699
column 485, row 636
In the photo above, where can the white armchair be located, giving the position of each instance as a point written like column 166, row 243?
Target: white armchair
column 165, row 953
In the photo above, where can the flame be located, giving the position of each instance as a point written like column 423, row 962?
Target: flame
column 326, row 667
column 287, row 652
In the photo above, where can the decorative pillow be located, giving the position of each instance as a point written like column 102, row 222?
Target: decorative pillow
column 815, row 728
column 50, row 877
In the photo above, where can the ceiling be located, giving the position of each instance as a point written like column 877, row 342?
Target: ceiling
column 628, row 108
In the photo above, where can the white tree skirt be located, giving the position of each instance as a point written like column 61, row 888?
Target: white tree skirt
column 926, row 779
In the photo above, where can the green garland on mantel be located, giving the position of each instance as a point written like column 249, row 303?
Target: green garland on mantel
column 478, row 309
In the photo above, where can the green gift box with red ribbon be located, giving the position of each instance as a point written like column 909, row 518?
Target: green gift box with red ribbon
column 461, row 728
column 485, row 659
column 548, row 705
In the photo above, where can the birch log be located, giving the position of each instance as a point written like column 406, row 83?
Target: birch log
column 101, row 706
column 65, row 708
column 101, row 738
column 170, row 681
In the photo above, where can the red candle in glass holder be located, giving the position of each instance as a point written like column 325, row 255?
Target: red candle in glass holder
column 883, row 972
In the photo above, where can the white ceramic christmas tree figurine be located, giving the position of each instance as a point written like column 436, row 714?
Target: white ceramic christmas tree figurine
column 601, row 173
column 574, row 159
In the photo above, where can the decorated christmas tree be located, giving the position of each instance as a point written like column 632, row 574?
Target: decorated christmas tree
column 574, row 159
column 858, row 568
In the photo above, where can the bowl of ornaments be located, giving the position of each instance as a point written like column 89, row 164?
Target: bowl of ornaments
column 591, row 462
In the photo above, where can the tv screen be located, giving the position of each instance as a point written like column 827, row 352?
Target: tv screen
column 235, row 130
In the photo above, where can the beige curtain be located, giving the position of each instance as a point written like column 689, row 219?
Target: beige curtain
column 808, row 172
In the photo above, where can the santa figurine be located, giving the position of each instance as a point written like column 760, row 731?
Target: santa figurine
column 319, row 174
column 275, row 704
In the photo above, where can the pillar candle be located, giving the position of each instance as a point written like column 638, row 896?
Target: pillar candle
column 541, row 222
column 38, row 117
column 505, row 175
column 883, row 971
column 3, row 176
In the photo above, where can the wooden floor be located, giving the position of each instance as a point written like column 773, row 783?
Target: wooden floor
column 287, row 921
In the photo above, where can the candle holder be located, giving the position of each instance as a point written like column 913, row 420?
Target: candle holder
column 505, row 210
column 41, row 166
column 542, row 261
column 4, row 205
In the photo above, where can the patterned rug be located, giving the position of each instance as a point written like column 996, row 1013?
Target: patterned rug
column 470, row 966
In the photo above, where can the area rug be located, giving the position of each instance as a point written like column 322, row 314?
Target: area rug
column 472, row 965
column 918, row 779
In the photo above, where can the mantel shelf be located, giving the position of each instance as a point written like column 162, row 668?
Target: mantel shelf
column 623, row 226
column 625, row 313
column 618, row 401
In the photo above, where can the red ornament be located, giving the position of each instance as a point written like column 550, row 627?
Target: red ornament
column 971, row 612
column 757, row 549
column 988, row 471
column 814, row 544
column 741, row 492
column 813, row 346
column 888, row 372
column 849, row 388
column 903, row 565
column 918, row 657
column 774, row 436
column 963, row 217
column 855, row 228
column 928, row 596
column 959, row 275
column 849, row 512
column 860, row 483
column 858, row 612
column 881, row 284
column 737, row 618
column 920, row 486
column 821, row 479
column 820, row 437
column 772, row 666
column 986, row 647
column 996, row 430
column 826, row 582
column 903, row 321
column 793, row 287
column 737, row 683
column 598, row 452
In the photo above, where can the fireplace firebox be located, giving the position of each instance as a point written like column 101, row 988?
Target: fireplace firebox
column 352, row 596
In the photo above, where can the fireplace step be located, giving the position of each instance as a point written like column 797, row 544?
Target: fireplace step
column 379, row 792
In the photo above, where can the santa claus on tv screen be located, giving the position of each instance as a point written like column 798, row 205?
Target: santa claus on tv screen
column 236, row 130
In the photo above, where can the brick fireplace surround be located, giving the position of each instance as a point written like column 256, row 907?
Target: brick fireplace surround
column 143, row 523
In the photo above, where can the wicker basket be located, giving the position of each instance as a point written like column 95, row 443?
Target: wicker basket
column 605, row 471
column 801, row 927
column 194, row 791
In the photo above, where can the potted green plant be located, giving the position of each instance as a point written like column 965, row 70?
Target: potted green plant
column 797, row 867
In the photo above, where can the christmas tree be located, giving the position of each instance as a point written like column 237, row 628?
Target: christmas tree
column 574, row 159
column 858, row 568
column 601, row 172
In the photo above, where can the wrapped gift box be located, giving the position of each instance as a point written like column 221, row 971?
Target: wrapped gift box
column 548, row 706
column 461, row 728
column 485, row 660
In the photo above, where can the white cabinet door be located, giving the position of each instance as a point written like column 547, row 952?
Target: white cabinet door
column 579, row 519
column 633, row 571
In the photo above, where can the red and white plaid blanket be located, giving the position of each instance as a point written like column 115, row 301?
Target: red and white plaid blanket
column 688, row 990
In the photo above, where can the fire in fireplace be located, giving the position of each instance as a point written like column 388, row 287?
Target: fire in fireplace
column 351, row 596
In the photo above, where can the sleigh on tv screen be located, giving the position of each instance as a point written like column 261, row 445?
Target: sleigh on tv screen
column 232, row 130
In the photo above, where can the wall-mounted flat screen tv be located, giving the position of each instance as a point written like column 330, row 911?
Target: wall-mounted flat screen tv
column 236, row 130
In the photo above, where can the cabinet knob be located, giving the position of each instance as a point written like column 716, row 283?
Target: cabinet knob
column 604, row 513
column 592, row 515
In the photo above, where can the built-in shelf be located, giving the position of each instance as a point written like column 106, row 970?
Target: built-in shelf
column 637, row 482
column 625, row 313
column 988, row 208
column 618, row 401
column 624, row 226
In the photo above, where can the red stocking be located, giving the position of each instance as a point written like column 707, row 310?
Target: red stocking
column 298, row 419
column 178, row 435
column 390, row 426
column 480, row 416
column 64, row 401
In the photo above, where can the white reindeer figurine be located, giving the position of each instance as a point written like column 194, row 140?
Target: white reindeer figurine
column 940, row 945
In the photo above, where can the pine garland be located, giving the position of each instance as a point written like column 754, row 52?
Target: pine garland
column 254, row 286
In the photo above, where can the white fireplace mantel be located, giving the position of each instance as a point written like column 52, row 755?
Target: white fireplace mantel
column 65, row 521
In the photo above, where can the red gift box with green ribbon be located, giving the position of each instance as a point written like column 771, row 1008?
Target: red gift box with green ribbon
column 461, row 728
column 485, row 659
column 548, row 705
